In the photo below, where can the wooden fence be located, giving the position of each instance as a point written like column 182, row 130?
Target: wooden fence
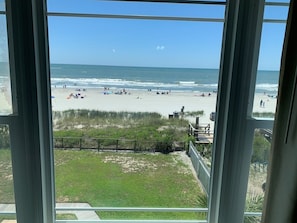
column 102, row 144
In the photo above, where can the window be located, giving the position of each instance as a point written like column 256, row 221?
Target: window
column 5, row 96
column 31, row 132
column 7, row 199
column 265, row 99
column 161, row 62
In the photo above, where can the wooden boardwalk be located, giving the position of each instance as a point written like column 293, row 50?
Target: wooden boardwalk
column 204, row 138
column 202, row 134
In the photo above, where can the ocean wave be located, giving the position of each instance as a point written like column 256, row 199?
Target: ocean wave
column 187, row 83
column 114, row 83
column 267, row 87
column 107, row 82
column 4, row 81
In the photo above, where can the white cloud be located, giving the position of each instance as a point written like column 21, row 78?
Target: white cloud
column 160, row 47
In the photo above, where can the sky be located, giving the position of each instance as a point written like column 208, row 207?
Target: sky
column 153, row 43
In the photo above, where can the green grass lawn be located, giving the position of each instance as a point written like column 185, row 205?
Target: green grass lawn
column 6, row 179
column 114, row 179
column 111, row 179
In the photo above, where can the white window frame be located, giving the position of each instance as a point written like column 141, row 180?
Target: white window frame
column 31, row 129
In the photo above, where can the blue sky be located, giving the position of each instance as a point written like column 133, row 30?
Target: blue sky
column 149, row 42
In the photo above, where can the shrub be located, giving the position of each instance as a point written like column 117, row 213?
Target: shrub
column 261, row 149
column 254, row 204
column 194, row 113
column 164, row 145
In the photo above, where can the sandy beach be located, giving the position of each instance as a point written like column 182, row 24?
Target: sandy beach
column 5, row 102
column 165, row 103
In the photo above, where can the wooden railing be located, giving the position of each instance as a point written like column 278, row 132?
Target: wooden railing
column 101, row 144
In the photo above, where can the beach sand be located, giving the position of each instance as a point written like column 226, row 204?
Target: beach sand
column 140, row 101
column 5, row 102
column 147, row 101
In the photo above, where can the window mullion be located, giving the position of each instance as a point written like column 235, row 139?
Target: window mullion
column 30, row 125
column 233, row 136
column 260, row 124
column 44, row 107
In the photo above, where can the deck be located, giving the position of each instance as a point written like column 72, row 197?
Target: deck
column 202, row 133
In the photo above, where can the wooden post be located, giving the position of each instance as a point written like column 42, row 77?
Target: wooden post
column 197, row 122
column 98, row 145
column 134, row 145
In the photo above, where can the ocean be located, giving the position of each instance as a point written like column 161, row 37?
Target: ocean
column 149, row 78
column 143, row 78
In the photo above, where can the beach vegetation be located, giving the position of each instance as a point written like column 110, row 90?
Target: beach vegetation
column 254, row 204
column 263, row 114
column 111, row 128
column 261, row 148
column 194, row 113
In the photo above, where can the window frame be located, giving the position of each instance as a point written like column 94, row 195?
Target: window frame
column 30, row 123
column 233, row 149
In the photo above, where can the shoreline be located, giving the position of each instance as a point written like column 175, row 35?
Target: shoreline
column 165, row 103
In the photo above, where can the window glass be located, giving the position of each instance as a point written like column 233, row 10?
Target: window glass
column 123, row 95
column 138, row 8
column 276, row 12
column 258, row 173
column 268, row 70
column 7, row 206
column 282, row 1
column 5, row 90
column 2, row 5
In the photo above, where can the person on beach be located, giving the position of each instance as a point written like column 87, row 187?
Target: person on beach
column 182, row 110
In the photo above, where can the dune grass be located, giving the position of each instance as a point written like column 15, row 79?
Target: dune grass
column 128, row 125
column 263, row 114
column 147, row 129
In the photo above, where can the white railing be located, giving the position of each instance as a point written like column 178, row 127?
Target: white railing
column 132, row 221
column 200, row 167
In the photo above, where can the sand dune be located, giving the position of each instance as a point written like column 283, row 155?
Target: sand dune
column 146, row 101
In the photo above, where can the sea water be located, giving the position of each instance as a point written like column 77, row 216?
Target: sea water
column 143, row 78
column 149, row 78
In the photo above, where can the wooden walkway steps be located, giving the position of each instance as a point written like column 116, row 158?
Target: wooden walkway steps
column 202, row 134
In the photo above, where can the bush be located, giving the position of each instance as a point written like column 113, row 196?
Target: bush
column 254, row 204
column 194, row 113
column 164, row 145
column 261, row 149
